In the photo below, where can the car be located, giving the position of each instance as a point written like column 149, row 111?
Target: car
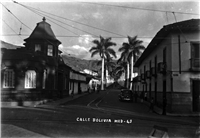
column 125, row 95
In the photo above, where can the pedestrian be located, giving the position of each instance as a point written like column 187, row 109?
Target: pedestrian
column 72, row 93
column 151, row 107
column 145, row 96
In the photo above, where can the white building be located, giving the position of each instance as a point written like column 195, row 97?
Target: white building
column 169, row 68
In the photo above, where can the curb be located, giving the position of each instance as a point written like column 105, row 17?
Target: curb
column 61, row 101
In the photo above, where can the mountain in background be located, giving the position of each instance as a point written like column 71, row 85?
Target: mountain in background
column 80, row 64
column 75, row 63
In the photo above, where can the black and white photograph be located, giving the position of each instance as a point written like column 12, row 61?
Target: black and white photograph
column 100, row 68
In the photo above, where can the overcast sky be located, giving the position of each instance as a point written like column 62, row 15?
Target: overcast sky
column 76, row 24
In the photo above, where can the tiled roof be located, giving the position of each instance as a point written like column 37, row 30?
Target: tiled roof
column 43, row 31
column 190, row 25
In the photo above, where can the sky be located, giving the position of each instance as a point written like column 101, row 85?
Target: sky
column 77, row 23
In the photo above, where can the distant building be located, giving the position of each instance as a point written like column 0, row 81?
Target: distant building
column 169, row 68
column 90, row 72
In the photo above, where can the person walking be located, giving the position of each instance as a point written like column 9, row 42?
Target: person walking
column 151, row 107
column 145, row 96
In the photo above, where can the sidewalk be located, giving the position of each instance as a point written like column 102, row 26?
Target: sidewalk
column 159, row 111
column 18, row 132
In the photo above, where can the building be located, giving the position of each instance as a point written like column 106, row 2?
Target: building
column 169, row 68
column 37, row 71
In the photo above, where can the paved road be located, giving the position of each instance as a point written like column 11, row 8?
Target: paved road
column 94, row 115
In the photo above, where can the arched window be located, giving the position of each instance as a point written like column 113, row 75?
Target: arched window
column 8, row 78
column 30, row 79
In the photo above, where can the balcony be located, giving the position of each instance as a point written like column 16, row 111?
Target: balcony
column 162, row 67
column 195, row 64
column 148, row 75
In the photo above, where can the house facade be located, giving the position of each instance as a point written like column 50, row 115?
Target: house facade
column 37, row 71
column 169, row 68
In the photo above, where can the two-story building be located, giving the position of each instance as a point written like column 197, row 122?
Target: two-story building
column 37, row 71
column 169, row 68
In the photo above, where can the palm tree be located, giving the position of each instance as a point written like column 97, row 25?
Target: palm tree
column 124, row 58
column 134, row 48
column 109, row 66
column 103, row 48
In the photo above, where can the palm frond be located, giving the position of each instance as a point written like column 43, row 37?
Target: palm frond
column 94, row 53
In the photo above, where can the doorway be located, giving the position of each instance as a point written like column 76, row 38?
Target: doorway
column 195, row 95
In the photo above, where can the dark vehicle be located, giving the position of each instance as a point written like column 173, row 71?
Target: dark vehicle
column 126, row 95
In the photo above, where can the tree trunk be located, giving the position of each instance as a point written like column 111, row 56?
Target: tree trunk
column 131, row 83
column 127, row 75
column 106, row 75
column 102, row 74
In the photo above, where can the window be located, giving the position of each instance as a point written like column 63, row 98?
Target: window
column 8, row 78
column 30, row 79
column 195, row 50
column 195, row 55
column 37, row 47
column 50, row 50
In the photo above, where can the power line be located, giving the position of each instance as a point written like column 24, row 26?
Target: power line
column 15, row 16
column 179, row 28
column 39, row 13
column 11, row 28
column 141, row 37
column 70, row 20
column 53, row 21
column 134, row 8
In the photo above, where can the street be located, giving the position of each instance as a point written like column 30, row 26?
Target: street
column 95, row 115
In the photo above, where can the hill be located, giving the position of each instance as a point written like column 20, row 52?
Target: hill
column 80, row 64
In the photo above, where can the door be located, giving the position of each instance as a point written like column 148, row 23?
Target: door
column 195, row 95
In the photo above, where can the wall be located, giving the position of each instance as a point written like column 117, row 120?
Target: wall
column 158, row 51
column 181, row 81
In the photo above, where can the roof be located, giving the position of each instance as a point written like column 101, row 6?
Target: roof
column 43, row 31
column 188, row 25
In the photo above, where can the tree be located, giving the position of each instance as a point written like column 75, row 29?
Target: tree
column 133, row 48
column 109, row 66
column 119, row 70
column 124, row 58
column 103, row 48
